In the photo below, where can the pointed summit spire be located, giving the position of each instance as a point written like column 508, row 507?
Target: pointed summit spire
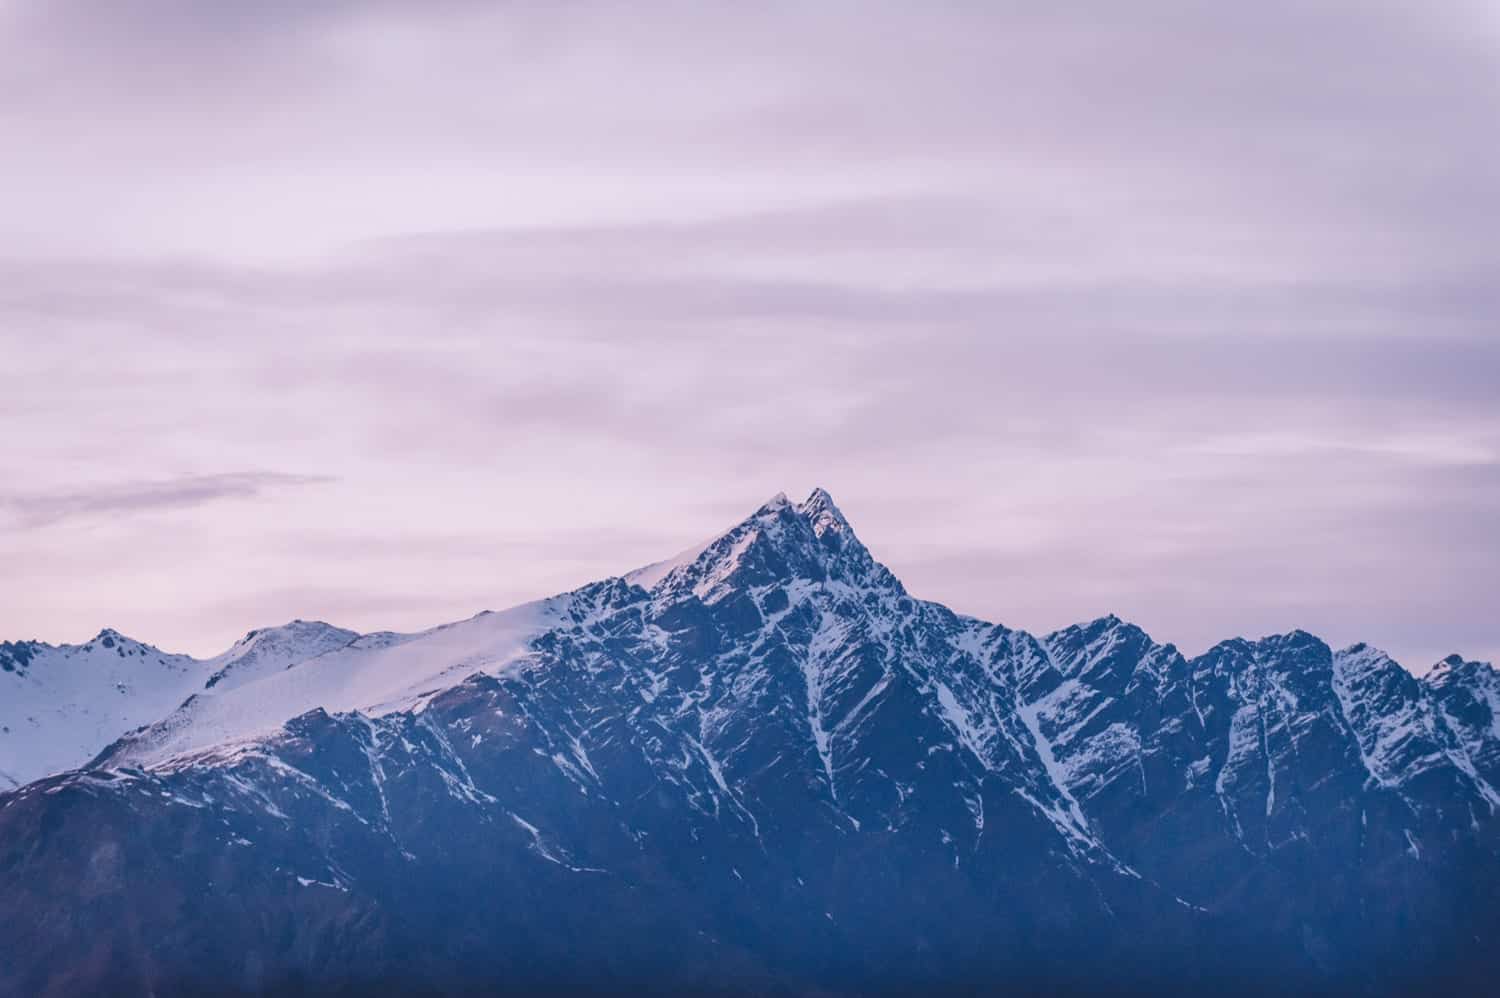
column 820, row 503
column 819, row 497
column 109, row 638
column 779, row 543
column 824, row 515
column 777, row 502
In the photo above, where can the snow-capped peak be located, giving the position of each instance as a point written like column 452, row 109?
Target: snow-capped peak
column 775, row 704
column 272, row 649
column 120, row 644
column 776, row 502
column 792, row 577
column 1453, row 663
column 778, row 543
column 823, row 513
column 652, row 575
column 60, row 704
column 298, row 630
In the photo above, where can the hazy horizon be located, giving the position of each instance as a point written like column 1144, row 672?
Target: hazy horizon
column 386, row 313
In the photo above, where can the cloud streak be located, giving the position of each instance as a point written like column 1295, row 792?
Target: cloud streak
column 32, row 511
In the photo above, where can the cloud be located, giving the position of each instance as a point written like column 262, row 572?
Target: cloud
column 1076, row 308
column 35, row 510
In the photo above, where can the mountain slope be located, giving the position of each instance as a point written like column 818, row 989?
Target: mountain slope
column 761, row 767
column 61, row 704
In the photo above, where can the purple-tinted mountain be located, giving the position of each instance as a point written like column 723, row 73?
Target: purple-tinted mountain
column 764, row 768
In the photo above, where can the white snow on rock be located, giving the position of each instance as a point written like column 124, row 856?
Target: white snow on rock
column 1047, row 714
column 273, row 649
column 61, row 705
column 395, row 672
column 65, row 703
column 1401, row 732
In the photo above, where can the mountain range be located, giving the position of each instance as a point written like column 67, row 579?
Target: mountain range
column 760, row 767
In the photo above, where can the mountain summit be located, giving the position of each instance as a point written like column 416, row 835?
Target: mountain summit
column 780, row 544
column 762, row 767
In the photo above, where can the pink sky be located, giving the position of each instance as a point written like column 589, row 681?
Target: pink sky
column 388, row 312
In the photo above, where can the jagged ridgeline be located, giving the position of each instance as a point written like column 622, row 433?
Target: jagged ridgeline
column 761, row 767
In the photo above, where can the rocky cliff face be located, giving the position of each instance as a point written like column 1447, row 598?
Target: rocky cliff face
column 763, row 767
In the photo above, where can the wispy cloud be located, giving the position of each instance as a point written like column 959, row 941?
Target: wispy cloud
column 34, row 510
column 1132, row 295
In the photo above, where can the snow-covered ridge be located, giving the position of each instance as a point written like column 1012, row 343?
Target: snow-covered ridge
column 815, row 631
column 61, row 704
column 377, row 677
column 272, row 649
